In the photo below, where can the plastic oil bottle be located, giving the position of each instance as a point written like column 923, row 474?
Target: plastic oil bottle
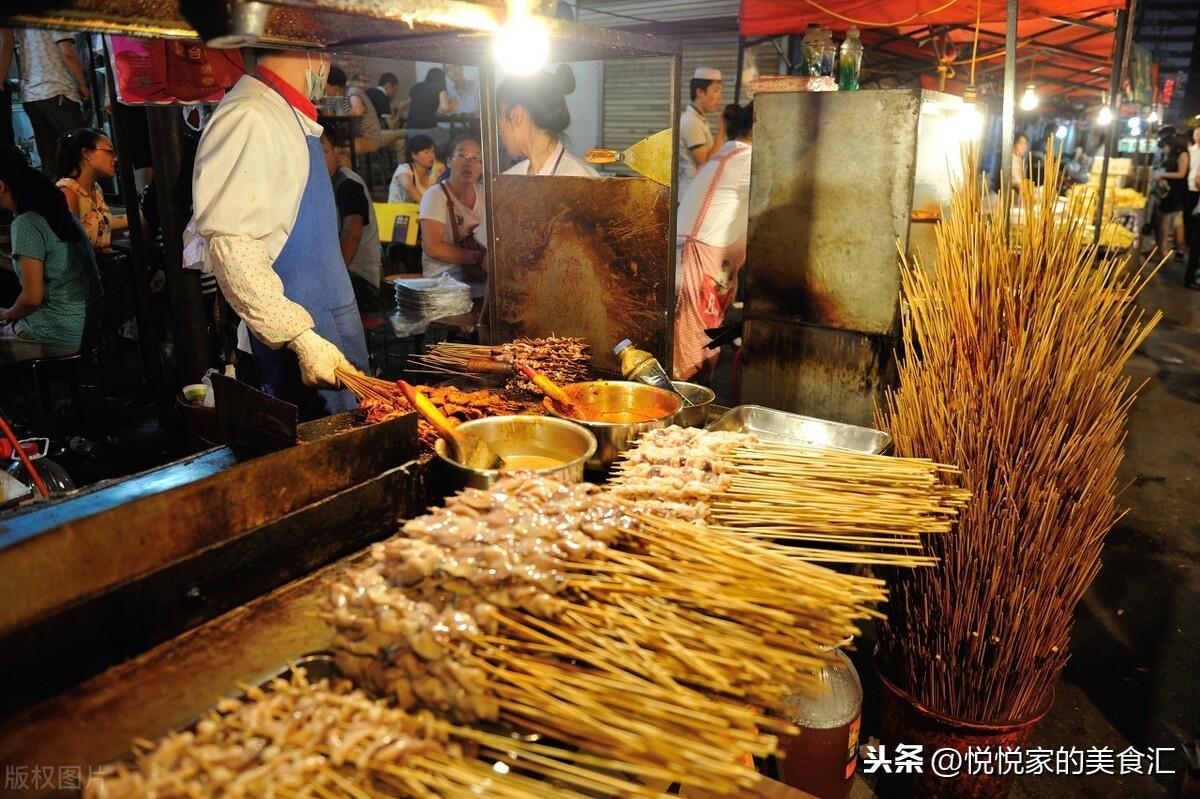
column 642, row 367
column 822, row 759
column 849, row 61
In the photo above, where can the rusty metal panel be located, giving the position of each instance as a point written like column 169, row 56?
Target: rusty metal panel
column 829, row 374
column 586, row 257
column 80, row 640
column 170, row 685
column 830, row 196
column 60, row 554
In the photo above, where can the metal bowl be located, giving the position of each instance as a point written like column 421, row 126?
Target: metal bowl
column 701, row 397
column 615, row 397
column 538, row 436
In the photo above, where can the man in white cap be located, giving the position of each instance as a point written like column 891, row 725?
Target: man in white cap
column 696, row 142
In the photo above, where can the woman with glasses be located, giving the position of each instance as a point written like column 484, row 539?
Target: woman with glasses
column 85, row 156
column 453, row 227
column 533, row 119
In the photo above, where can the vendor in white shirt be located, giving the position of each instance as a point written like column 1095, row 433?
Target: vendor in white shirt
column 265, row 208
column 714, row 214
column 533, row 116
column 696, row 141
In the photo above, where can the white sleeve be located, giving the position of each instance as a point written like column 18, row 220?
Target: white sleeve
column 232, row 186
column 693, row 131
column 402, row 181
column 433, row 206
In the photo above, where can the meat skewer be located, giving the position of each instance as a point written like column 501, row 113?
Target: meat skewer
column 563, row 360
column 557, row 609
column 384, row 400
column 839, row 502
column 322, row 739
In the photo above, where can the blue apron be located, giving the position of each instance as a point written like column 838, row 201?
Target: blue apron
column 315, row 277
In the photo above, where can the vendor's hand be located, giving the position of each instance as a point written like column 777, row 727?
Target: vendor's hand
column 319, row 360
column 85, row 93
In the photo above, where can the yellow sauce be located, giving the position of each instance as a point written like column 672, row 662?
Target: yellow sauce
column 531, row 462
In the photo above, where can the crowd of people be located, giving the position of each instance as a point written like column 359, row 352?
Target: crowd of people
column 1177, row 190
column 288, row 228
column 56, row 215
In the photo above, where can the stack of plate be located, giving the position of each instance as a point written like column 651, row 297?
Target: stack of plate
column 432, row 298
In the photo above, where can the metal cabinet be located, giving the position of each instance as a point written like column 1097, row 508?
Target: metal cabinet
column 841, row 184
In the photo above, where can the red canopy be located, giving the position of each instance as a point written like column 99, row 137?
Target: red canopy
column 1067, row 44
column 776, row 17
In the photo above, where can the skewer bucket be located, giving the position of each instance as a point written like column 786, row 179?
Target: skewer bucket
column 907, row 721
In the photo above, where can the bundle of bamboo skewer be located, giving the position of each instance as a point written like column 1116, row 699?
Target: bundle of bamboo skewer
column 635, row 638
column 1014, row 375
column 564, row 360
column 869, row 508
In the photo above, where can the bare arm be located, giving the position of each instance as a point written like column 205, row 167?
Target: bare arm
column 1181, row 168
column 357, row 106
column 76, row 69
column 351, row 236
column 72, row 200
column 33, row 289
column 414, row 194
column 702, row 153
column 431, row 241
column 445, row 104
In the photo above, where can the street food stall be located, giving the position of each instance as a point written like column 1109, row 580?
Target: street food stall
column 326, row 613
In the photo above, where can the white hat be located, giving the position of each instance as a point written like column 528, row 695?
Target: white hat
column 706, row 73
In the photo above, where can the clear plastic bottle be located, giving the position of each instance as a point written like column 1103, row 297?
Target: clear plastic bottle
column 810, row 52
column 850, row 61
column 828, row 54
column 642, row 367
column 822, row 759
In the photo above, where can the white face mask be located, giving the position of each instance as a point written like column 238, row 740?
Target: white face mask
column 314, row 83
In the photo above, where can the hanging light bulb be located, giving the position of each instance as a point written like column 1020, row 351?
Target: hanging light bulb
column 1061, row 133
column 1105, row 116
column 1029, row 100
column 522, row 45
column 970, row 122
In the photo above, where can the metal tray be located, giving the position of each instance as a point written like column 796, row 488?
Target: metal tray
column 779, row 426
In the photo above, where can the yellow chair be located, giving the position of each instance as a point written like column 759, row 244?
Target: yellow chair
column 398, row 222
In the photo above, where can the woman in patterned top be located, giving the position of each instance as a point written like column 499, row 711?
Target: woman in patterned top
column 84, row 156
column 60, row 285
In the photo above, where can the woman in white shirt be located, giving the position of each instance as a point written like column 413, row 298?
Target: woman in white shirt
column 533, row 116
column 453, row 227
column 418, row 173
column 711, row 244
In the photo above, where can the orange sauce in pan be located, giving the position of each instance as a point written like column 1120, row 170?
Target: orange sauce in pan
column 592, row 405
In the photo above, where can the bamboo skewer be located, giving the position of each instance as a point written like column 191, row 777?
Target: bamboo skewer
column 664, row 649
column 841, row 503
column 1016, row 346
